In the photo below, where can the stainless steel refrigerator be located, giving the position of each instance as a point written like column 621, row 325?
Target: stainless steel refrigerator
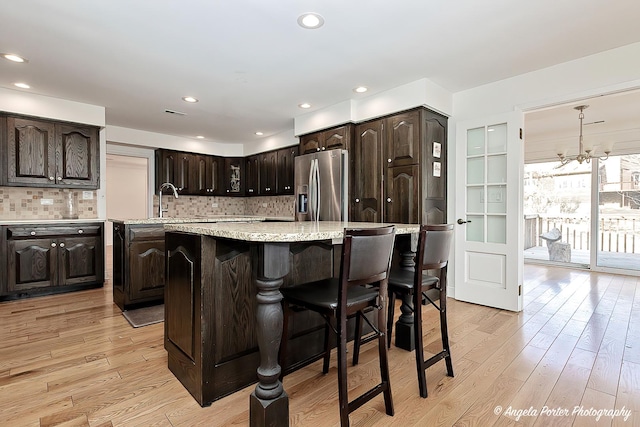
column 321, row 186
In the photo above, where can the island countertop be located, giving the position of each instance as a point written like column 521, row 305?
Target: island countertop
column 299, row 231
column 186, row 220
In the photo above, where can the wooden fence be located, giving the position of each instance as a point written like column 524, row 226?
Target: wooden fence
column 616, row 234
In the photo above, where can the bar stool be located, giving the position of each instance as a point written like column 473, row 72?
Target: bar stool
column 434, row 244
column 366, row 260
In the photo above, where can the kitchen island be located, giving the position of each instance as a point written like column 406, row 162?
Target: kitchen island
column 223, row 318
column 138, row 257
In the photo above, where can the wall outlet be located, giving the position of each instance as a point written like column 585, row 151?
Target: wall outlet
column 214, row 205
column 46, row 201
column 87, row 195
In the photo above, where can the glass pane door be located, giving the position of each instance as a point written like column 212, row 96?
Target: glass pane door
column 619, row 212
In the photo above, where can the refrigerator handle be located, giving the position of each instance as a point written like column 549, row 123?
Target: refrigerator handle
column 311, row 202
column 318, row 190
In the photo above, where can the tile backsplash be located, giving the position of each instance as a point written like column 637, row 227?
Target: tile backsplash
column 194, row 206
column 25, row 203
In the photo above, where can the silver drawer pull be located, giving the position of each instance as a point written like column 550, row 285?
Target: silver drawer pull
column 33, row 233
column 53, row 245
column 62, row 245
column 80, row 231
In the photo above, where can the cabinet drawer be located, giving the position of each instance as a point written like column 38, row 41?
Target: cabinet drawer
column 146, row 233
column 30, row 231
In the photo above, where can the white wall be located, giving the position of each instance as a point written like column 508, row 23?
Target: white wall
column 127, row 188
column 421, row 92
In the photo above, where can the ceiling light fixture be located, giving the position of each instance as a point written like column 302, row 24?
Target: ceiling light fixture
column 583, row 155
column 259, row 133
column 310, row 20
column 200, row 137
column 304, row 105
column 22, row 85
column 189, row 99
column 13, row 57
column 361, row 89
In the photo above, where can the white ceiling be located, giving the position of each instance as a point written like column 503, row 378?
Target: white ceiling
column 250, row 64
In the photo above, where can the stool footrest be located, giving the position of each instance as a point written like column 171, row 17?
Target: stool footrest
column 367, row 396
column 436, row 358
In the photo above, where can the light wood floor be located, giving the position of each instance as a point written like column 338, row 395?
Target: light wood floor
column 73, row 360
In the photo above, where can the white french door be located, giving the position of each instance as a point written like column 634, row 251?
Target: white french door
column 489, row 236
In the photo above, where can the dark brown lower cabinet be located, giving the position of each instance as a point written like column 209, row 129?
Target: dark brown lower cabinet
column 38, row 259
column 210, row 311
column 138, row 264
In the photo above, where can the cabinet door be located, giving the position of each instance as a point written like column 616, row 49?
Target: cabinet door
column 184, row 173
column 403, row 139
column 338, row 138
column 402, row 203
column 286, row 170
column 311, row 143
column 146, row 270
column 234, row 176
column 366, row 177
column 252, row 171
column 77, row 154
column 32, row 264
column 31, row 153
column 166, row 161
column 81, row 260
column 215, row 174
column 268, row 166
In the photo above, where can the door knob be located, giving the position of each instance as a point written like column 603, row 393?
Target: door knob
column 462, row 221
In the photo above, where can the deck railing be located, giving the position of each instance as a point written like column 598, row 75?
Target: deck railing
column 616, row 234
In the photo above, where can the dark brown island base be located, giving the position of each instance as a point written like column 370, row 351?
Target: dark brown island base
column 223, row 318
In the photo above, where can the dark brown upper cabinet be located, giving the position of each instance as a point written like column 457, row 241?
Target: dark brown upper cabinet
column 252, row 174
column 42, row 153
column 329, row 139
column 207, row 175
column 268, row 173
column 285, row 157
column 398, row 169
column 234, row 179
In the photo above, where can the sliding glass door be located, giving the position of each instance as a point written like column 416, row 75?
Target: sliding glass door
column 618, row 225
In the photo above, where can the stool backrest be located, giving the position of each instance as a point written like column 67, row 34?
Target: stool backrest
column 366, row 255
column 435, row 244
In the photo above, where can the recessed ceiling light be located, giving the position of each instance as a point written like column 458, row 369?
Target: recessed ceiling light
column 304, row 105
column 200, row 137
column 361, row 89
column 189, row 99
column 259, row 133
column 22, row 85
column 13, row 57
column 310, row 20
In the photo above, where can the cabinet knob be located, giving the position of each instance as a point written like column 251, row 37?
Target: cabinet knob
column 62, row 245
column 324, row 148
column 51, row 178
column 53, row 245
column 59, row 178
column 227, row 191
column 357, row 200
column 388, row 160
column 80, row 231
column 318, row 149
column 33, row 233
column 388, row 199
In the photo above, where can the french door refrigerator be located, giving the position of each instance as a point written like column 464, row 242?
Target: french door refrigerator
column 321, row 186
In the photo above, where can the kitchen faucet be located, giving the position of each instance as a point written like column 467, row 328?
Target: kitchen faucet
column 162, row 187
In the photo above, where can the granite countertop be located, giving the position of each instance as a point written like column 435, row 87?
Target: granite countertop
column 174, row 220
column 45, row 222
column 282, row 231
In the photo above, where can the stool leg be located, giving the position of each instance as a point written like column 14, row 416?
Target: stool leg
column 443, row 321
column 384, row 365
column 327, row 347
column 417, row 333
column 390, row 315
column 343, row 395
column 357, row 338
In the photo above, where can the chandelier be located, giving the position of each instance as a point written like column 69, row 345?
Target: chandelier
column 583, row 155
